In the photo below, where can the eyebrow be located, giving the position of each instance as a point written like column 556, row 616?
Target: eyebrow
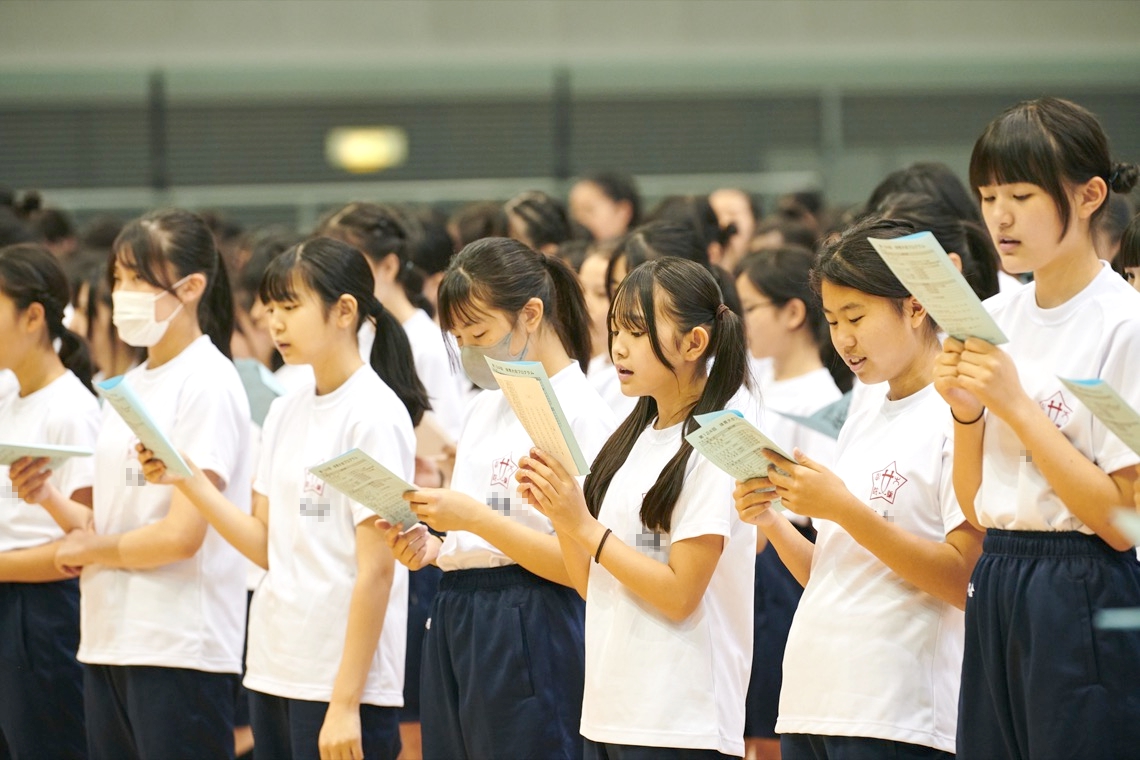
column 845, row 307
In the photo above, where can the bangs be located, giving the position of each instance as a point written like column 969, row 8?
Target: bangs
column 629, row 307
column 460, row 300
column 279, row 283
column 139, row 249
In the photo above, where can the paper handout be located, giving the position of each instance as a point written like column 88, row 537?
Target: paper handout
column 1108, row 407
column 10, row 452
column 928, row 273
column 733, row 444
column 366, row 481
column 124, row 401
column 530, row 394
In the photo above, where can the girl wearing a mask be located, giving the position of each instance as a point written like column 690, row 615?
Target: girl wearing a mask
column 162, row 594
column 503, row 658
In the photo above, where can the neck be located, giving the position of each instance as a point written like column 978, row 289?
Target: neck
column 801, row 358
column 38, row 370
column 397, row 302
column 674, row 406
column 179, row 335
column 336, row 366
column 1064, row 277
column 547, row 348
column 918, row 375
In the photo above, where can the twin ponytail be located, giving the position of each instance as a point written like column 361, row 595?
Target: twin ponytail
column 30, row 274
column 691, row 298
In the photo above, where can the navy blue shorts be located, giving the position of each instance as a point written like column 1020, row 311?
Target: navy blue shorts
column 777, row 594
column 813, row 747
column 140, row 712
column 1039, row 679
column 289, row 729
column 503, row 667
column 422, row 585
column 595, row 751
column 41, row 684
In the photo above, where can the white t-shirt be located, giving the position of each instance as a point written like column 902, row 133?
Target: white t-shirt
column 487, row 457
column 187, row 614
column 603, row 376
column 299, row 614
column 433, row 366
column 649, row 681
column 1096, row 334
column 869, row 654
column 801, row 396
column 8, row 383
column 1007, row 283
column 62, row 413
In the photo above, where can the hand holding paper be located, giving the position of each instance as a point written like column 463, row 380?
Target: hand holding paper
column 11, row 452
column 124, row 401
column 530, row 394
column 928, row 273
column 366, row 481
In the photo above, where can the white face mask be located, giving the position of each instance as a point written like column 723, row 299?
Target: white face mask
column 133, row 314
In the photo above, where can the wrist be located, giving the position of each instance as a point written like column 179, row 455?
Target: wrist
column 588, row 534
column 968, row 419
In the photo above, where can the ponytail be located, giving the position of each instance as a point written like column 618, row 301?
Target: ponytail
column 331, row 268
column 30, row 274
column 392, row 360
column 690, row 298
column 572, row 319
column 216, row 309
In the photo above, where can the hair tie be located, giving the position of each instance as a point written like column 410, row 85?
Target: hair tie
column 720, row 310
column 1113, row 177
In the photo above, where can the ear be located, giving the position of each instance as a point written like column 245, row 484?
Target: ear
column 33, row 318
column 695, row 343
column 344, row 312
column 531, row 314
column 194, row 288
column 956, row 260
column 387, row 269
column 916, row 312
column 795, row 312
column 1090, row 196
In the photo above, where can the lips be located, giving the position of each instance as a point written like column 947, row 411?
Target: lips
column 623, row 373
column 856, row 363
column 1007, row 244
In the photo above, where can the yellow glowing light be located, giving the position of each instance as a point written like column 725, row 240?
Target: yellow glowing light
column 363, row 150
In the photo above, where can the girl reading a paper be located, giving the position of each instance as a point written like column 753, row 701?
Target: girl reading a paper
column 325, row 662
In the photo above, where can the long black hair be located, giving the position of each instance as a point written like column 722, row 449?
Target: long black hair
column 379, row 231
column 1048, row 142
column 330, row 269
column 30, row 274
column 503, row 274
column 685, row 294
column 180, row 240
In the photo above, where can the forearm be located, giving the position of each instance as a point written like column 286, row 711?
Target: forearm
column 577, row 562
column 144, row 548
column 537, row 552
column 1086, row 490
column 795, row 551
column 366, row 612
column 941, row 569
column 243, row 531
column 33, row 565
column 656, row 583
column 967, row 473
column 68, row 514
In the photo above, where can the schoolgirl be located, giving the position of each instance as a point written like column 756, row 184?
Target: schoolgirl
column 1033, row 467
column 601, row 372
column 874, row 651
column 653, row 542
column 537, row 221
column 607, row 205
column 503, row 654
column 785, row 327
column 321, row 683
column 163, row 596
column 41, row 683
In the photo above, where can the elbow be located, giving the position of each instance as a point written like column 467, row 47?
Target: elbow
column 185, row 547
column 681, row 609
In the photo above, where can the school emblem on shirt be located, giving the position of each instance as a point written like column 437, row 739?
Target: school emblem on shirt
column 885, row 483
column 313, row 503
column 501, row 472
column 1058, row 411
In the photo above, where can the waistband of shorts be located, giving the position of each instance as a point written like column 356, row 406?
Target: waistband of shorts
column 484, row 578
column 1031, row 543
